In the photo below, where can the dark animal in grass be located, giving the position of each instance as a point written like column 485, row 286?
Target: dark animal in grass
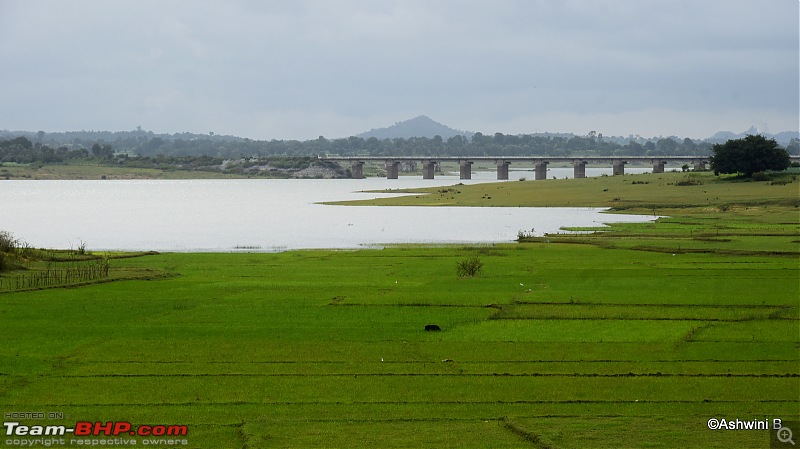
column 432, row 328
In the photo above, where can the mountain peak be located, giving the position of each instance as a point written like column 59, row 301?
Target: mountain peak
column 783, row 138
column 419, row 126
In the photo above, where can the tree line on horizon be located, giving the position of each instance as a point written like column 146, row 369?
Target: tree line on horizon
column 60, row 147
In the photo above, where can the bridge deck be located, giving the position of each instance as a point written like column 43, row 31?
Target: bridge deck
column 515, row 158
column 540, row 162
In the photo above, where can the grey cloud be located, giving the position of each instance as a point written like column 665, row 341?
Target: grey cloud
column 249, row 67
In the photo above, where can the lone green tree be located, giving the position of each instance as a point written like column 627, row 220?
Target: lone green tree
column 469, row 267
column 749, row 155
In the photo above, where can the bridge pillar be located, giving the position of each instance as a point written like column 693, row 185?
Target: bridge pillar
column 579, row 169
column 618, row 167
column 428, row 168
column 502, row 169
column 465, row 169
column 541, row 170
column 699, row 165
column 392, row 169
column 357, row 170
column 658, row 166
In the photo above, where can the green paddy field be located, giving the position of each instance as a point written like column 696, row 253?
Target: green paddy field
column 632, row 337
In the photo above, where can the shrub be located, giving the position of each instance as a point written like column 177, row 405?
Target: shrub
column 781, row 182
column 523, row 234
column 7, row 242
column 469, row 267
column 689, row 181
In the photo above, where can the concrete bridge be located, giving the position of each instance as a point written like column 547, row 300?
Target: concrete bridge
column 540, row 164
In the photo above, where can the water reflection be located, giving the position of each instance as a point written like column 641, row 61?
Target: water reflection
column 257, row 215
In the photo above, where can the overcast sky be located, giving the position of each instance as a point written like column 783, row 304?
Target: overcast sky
column 300, row 69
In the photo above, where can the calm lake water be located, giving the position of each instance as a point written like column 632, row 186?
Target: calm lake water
column 260, row 215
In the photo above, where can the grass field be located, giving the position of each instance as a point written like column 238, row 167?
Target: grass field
column 634, row 337
column 639, row 193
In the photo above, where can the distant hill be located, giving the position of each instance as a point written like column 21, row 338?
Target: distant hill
column 411, row 137
column 782, row 138
column 422, row 126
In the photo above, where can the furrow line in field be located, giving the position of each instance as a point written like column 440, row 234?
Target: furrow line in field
column 524, row 433
column 520, row 402
column 569, row 304
column 699, row 375
column 340, row 362
column 617, row 304
column 562, row 318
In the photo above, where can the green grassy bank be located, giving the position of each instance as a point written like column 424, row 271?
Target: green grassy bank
column 633, row 193
column 95, row 170
column 632, row 338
